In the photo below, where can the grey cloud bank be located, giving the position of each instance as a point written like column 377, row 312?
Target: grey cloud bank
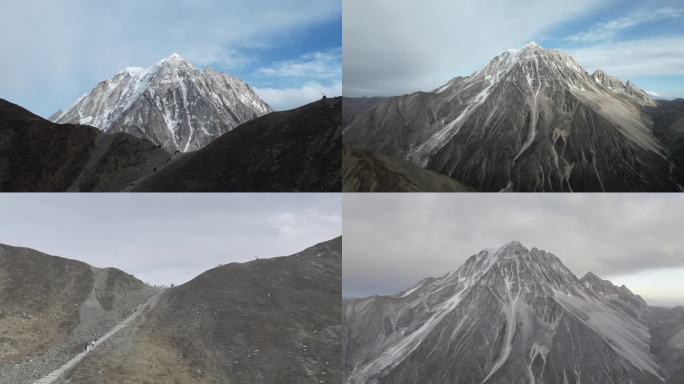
column 168, row 238
column 393, row 240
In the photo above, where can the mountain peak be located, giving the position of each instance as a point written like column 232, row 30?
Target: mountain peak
column 590, row 276
column 514, row 244
column 204, row 106
column 174, row 60
column 532, row 45
column 175, row 57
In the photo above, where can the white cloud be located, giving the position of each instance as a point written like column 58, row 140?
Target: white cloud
column 392, row 47
column 288, row 98
column 607, row 30
column 320, row 65
column 645, row 57
column 654, row 94
column 53, row 51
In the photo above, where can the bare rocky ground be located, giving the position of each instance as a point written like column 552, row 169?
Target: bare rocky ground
column 366, row 171
column 37, row 155
column 296, row 150
column 266, row 321
column 272, row 320
column 51, row 307
column 290, row 151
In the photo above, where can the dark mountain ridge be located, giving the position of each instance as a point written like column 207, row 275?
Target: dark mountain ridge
column 296, row 150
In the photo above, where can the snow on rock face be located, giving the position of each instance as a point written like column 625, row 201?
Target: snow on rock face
column 510, row 314
column 628, row 89
column 531, row 120
column 171, row 103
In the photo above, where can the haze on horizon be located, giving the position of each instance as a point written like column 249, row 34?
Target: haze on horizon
column 170, row 238
column 391, row 241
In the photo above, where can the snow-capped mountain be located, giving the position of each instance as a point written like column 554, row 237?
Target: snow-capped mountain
column 508, row 315
column 530, row 120
column 170, row 103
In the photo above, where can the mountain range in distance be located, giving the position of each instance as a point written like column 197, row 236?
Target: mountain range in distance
column 530, row 120
column 512, row 315
column 268, row 320
column 172, row 128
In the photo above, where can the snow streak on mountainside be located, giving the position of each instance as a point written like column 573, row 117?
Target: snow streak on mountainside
column 530, row 120
column 171, row 103
column 510, row 315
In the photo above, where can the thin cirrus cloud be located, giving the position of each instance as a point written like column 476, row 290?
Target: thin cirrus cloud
column 55, row 51
column 324, row 65
column 310, row 76
column 647, row 56
column 608, row 30
column 287, row 98
column 391, row 241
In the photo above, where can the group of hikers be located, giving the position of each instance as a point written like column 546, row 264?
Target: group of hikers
column 90, row 346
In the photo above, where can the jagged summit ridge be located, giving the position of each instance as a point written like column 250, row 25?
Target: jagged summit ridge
column 536, row 322
column 171, row 103
column 530, row 120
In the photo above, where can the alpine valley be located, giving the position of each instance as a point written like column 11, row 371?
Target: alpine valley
column 171, row 127
column 512, row 315
column 530, row 120
column 265, row 321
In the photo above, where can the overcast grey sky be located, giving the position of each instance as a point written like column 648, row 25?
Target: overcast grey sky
column 396, row 47
column 391, row 241
column 168, row 238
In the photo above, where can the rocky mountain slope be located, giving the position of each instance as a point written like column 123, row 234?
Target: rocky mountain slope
column 37, row 155
column 296, row 150
column 365, row 171
column 668, row 126
column 508, row 315
column 50, row 307
column 351, row 106
column 530, row 120
column 266, row 321
column 170, row 103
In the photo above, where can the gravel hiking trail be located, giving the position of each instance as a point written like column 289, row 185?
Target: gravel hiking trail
column 53, row 376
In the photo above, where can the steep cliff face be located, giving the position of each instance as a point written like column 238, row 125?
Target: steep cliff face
column 509, row 315
column 170, row 103
column 530, row 120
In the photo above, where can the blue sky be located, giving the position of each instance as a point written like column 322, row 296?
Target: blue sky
column 395, row 48
column 54, row 51
column 641, row 41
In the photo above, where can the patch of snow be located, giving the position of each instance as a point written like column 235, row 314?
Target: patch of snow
column 626, row 336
